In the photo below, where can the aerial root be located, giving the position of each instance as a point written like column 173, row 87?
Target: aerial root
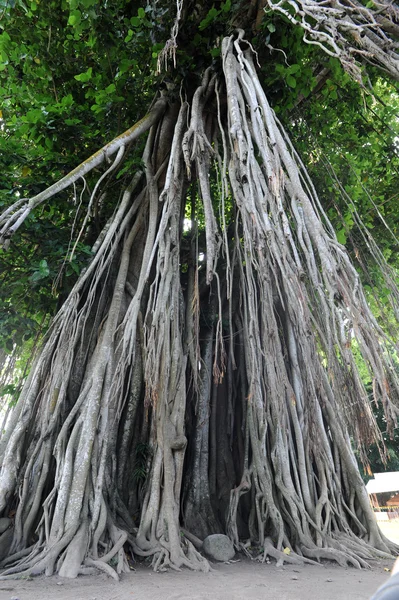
column 24, row 570
column 264, row 214
column 341, row 549
column 102, row 566
column 339, row 556
column 363, row 549
column 282, row 557
column 196, row 558
column 197, row 543
column 37, row 559
column 31, row 557
column 22, row 554
column 185, row 557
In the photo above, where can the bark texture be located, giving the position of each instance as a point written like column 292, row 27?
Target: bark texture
column 200, row 378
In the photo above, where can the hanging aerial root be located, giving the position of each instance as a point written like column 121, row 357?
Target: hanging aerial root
column 82, row 440
column 348, row 31
column 300, row 293
column 165, row 375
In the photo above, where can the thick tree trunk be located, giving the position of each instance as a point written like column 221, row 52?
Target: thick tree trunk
column 94, row 456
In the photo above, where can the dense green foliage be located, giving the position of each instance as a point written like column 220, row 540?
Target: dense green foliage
column 85, row 73
column 66, row 91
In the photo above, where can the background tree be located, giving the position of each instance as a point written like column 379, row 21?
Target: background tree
column 205, row 364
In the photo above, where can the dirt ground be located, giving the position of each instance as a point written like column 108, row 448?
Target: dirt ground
column 242, row 580
column 237, row 581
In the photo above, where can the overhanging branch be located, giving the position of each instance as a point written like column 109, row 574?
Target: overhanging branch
column 15, row 215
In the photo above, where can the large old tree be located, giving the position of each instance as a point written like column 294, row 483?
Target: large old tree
column 206, row 368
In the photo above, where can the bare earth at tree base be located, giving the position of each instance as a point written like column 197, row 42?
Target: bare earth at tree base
column 244, row 579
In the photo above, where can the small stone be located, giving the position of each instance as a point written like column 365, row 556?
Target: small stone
column 218, row 547
column 294, row 577
column 60, row 583
column 329, row 579
column 14, row 598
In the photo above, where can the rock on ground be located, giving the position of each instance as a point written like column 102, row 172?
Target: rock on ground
column 218, row 547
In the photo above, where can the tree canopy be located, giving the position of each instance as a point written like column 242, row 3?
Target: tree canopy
column 198, row 271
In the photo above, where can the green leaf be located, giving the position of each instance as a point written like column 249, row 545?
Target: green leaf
column 34, row 116
column 271, row 27
column 291, row 81
column 129, row 36
column 41, row 273
column 293, row 69
column 111, row 88
column 67, row 100
column 75, row 18
column 341, row 236
column 211, row 16
column 86, row 76
column 75, row 267
column 141, row 13
column 4, row 37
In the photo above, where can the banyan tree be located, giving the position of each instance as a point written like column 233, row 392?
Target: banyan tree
column 202, row 374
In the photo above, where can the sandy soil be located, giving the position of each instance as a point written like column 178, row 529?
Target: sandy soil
column 242, row 580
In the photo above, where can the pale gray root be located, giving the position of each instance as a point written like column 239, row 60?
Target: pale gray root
column 349, row 31
column 196, row 542
column 299, row 497
column 102, row 566
column 75, row 553
column 81, row 443
column 165, row 366
column 282, row 557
